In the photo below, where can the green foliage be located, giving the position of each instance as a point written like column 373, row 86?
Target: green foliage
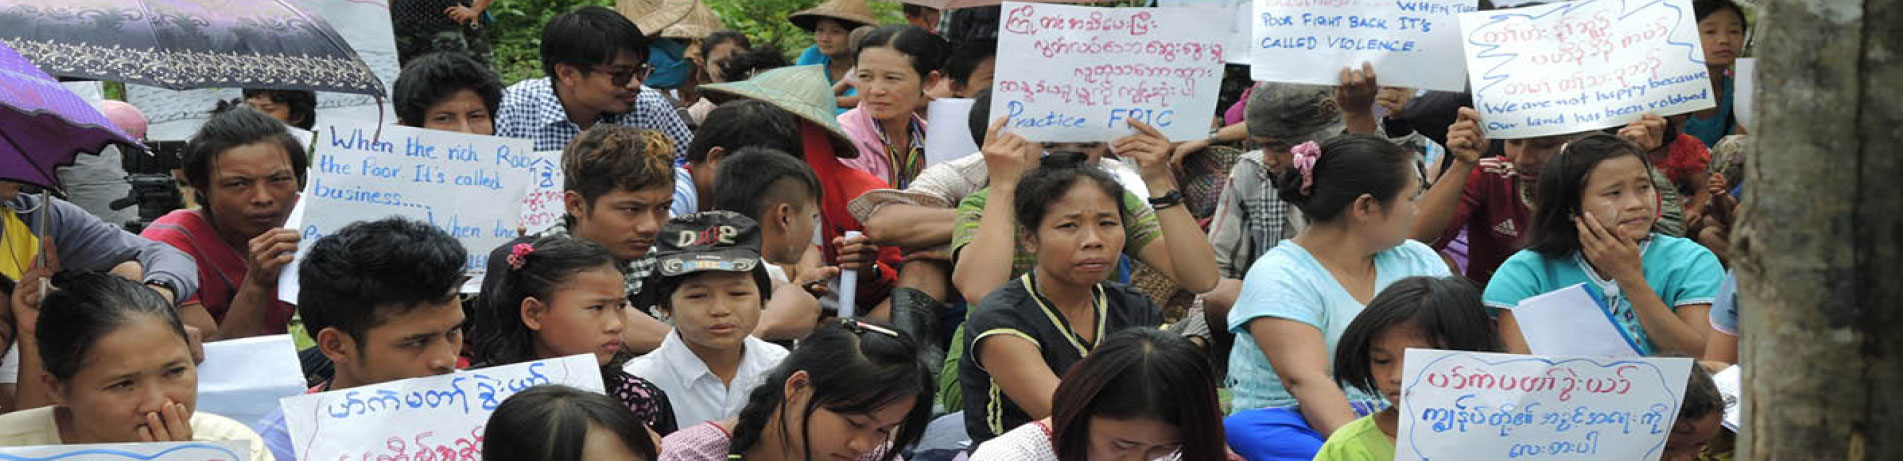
column 517, row 31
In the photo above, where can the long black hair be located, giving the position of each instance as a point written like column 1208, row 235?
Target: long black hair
column 1350, row 165
column 1054, row 175
column 855, row 368
column 1140, row 373
column 85, row 306
column 500, row 336
column 1562, row 185
column 928, row 51
column 551, row 421
column 1445, row 310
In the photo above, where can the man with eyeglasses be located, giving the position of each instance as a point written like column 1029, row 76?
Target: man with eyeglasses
column 595, row 60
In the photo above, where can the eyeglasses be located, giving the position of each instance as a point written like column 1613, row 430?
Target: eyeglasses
column 620, row 76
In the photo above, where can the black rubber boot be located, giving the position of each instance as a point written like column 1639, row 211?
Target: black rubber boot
column 916, row 313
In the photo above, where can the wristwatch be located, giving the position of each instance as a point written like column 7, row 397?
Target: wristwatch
column 167, row 285
column 1173, row 198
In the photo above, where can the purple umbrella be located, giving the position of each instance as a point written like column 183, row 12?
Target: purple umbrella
column 185, row 44
column 43, row 126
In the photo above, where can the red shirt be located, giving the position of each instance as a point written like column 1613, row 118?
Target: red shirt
column 1494, row 217
column 221, row 268
column 841, row 184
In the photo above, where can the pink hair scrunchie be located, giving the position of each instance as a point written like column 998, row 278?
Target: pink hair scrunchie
column 519, row 255
column 1306, row 155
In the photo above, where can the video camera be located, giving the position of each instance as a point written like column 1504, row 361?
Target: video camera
column 153, row 188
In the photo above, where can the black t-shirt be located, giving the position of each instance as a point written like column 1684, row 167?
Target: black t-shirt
column 1016, row 310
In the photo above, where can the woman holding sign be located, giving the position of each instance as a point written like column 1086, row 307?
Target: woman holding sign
column 1359, row 193
column 116, row 364
column 1593, row 226
column 896, row 64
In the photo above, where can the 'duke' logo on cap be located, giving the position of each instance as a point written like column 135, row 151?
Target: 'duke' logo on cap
column 717, row 234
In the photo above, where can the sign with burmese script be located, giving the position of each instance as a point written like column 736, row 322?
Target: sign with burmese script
column 438, row 417
column 1411, row 43
column 469, row 186
column 234, row 450
column 1476, row 405
column 1583, row 65
column 1077, row 74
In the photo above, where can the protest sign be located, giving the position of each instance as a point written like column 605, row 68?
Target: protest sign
column 1572, row 321
column 542, row 205
column 1076, row 74
column 467, row 185
column 438, row 415
column 243, row 379
column 363, row 24
column 1476, row 405
column 1240, row 30
column 1583, row 65
column 1411, row 43
column 158, row 451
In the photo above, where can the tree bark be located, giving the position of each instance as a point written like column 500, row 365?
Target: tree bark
column 1821, row 245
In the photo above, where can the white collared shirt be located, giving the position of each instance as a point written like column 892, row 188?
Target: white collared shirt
column 693, row 389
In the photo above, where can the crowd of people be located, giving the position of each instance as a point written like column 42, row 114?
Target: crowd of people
column 1030, row 301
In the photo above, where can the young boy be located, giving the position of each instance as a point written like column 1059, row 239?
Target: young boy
column 619, row 186
column 710, row 281
column 1699, row 419
column 379, row 298
column 781, row 194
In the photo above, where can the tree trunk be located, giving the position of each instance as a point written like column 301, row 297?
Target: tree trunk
column 1821, row 245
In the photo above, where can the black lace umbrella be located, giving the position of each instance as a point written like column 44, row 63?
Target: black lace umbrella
column 185, row 44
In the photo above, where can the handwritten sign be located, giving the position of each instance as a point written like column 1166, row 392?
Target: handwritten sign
column 1075, row 74
column 542, row 205
column 467, row 185
column 438, row 415
column 1412, row 43
column 167, row 451
column 1583, row 65
column 1474, row 405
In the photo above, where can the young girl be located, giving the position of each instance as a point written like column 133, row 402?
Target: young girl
column 896, row 64
column 1359, row 194
column 831, row 24
column 1415, row 313
column 116, row 363
column 554, row 422
column 853, row 391
column 1144, row 393
column 1721, row 29
column 562, row 296
column 1593, row 225
column 712, row 284
column 1035, row 328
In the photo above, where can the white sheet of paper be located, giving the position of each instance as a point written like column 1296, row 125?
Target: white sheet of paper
column 949, row 135
column 1583, row 65
column 1075, row 73
column 429, row 414
column 243, row 379
column 542, row 205
column 363, row 24
column 158, row 451
column 1744, row 96
column 467, row 185
column 1239, row 33
column 1570, row 321
column 1731, row 385
column 1477, row 405
column 287, row 277
column 1411, row 43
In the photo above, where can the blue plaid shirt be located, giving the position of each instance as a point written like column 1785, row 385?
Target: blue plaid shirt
column 530, row 110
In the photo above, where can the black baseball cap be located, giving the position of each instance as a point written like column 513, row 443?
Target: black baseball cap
column 707, row 241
